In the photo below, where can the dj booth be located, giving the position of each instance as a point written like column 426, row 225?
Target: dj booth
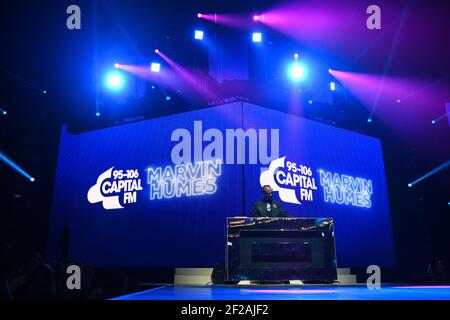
column 280, row 249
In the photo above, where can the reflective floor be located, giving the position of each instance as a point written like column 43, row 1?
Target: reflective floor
column 291, row 293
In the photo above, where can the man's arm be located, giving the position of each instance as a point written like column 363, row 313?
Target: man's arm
column 283, row 212
column 255, row 211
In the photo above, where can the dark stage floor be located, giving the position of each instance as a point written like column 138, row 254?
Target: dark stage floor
column 341, row 292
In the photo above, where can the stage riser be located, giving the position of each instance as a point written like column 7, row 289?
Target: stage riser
column 192, row 276
column 202, row 276
column 347, row 279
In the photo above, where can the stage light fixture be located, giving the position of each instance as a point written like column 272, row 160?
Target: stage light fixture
column 32, row 179
column 398, row 101
column 155, row 67
column 257, row 37
column 168, row 98
column 44, row 91
column 114, row 81
column 198, row 34
column 296, row 71
column 296, row 56
column 329, row 70
column 409, row 185
column 97, row 114
column 258, row 17
column 156, row 51
column 332, row 86
column 199, row 15
column 310, row 101
column 433, row 121
column 369, row 120
column 5, row 112
column 116, row 65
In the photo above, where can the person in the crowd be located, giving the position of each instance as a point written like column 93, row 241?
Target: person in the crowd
column 92, row 290
column 62, row 293
column 440, row 274
column 5, row 293
column 267, row 206
column 35, row 281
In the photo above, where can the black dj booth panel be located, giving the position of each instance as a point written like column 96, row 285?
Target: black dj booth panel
column 280, row 249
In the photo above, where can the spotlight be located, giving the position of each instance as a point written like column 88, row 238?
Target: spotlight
column 114, row 81
column 97, row 114
column 310, row 101
column 44, row 91
column 296, row 56
column 257, row 37
column 296, row 71
column 398, row 101
column 156, row 51
column 168, row 98
column 155, row 67
column 5, row 112
column 332, row 86
column 409, row 185
column 198, row 34
column 116, row 65
column 432, row 121
column 257, row 17
column 32, row 179
column 199, row 15
column 369, row 120
column 153, row 87
column 329, row 70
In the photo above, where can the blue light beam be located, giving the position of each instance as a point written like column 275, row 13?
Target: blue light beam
column 8, row 161
column 434, row 121
column 429, row 174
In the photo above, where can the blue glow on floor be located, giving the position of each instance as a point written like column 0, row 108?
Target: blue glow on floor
column 291, row 293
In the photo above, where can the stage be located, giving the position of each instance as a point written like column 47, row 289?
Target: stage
column 314, row 292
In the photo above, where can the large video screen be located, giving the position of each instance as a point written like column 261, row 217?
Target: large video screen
column 156, row 193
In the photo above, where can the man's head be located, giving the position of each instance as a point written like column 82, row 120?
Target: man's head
column 267, row 191
column 441, row 266
column 34, row 261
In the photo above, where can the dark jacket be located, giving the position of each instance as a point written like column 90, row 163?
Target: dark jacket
column 276, row 209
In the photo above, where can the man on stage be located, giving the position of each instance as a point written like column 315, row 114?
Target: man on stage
column 267, row 207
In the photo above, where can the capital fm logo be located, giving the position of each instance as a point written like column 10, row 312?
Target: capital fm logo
column 115, row 188
column 294, row 183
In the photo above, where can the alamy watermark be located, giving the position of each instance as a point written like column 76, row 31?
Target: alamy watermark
column 234, row 146
column 373, row 22
column 73, row 281
column 73, row 21
column 374, row 280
